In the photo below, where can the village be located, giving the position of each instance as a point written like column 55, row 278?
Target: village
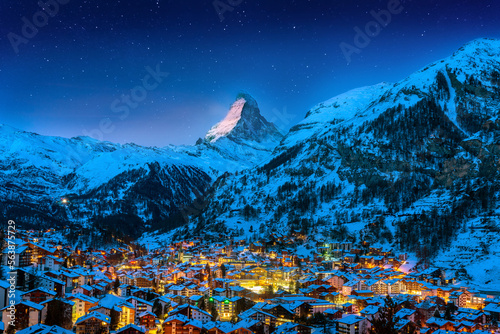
column 233, row 287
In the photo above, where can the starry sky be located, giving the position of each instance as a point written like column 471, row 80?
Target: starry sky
column 159, row 72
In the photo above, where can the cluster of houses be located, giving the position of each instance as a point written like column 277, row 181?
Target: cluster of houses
column 194, row 287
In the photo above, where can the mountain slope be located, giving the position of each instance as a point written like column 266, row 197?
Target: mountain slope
column 100, row 180
column 408, row 164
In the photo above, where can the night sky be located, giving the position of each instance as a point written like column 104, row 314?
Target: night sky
column 71, row 76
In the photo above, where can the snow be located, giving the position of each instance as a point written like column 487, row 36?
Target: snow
column 224, row 127
column 476, row 250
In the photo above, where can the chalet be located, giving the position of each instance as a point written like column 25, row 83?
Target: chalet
column 180, row 324
column 317, row 290
column 395, row 286
column 281, row 313
column 147, row 320
column 350, row 258
column 39, row 251
column 407, row 314
column 425, row 311
column 49, row 262
column 143, row 282
column 109, row 302
column 131, row 329
column 44, row 329
column 333, row 314
column 353, row 324
column 337, row 281
column 70, row 278
column 93, row 323
column 86, row 290
column 255, row 314
column 248, row 326
column 192, row 312
column 439, row 323
column 290, row 327
column 370, row 312
column 38, row 295
column 52, row 284
column 82, row 305
column 459, row 298
column 363, row 293
column 140, row 304
column 22, row 257
column 26, row 314
column 413, row 287
column 378, row 287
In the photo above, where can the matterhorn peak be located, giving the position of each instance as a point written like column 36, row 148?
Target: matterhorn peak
column 244, row 123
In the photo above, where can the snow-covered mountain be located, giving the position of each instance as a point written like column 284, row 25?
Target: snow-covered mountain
column 112, row 183
column 411, row 164
column 244, row 125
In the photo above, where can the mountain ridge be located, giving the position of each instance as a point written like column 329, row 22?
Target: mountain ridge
column 100, row 179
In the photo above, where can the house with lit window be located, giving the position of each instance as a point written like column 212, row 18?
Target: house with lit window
column 26, row 314
column 49, row 262
column 82, row 305
column 38, row 295
column 260, row 315
column 52, row 284
column 131, row 329
column 147, row 320
column 21, row 257
column 140, row 304
column 93, row 323
column 459, row 298
column 353, row 324
column 180, row 324
column 395, row 286
column 192, row 312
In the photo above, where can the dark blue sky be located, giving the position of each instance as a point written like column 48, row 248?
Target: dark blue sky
column 69, row 76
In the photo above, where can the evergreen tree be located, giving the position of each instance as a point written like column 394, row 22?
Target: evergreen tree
column 450, row 309
column 385, row 323
column 214, row 313
column 157, row 308
column 11, row 329
column 116, row 285
column 202, row 304
column 115, row 319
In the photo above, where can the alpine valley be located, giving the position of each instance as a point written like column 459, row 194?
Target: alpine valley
column 412, row 165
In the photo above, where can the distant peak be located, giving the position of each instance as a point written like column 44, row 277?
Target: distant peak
column 247, row 97
column 244, row 122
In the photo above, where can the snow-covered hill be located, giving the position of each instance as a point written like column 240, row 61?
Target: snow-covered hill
column 101, row 179
column 409, row 164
